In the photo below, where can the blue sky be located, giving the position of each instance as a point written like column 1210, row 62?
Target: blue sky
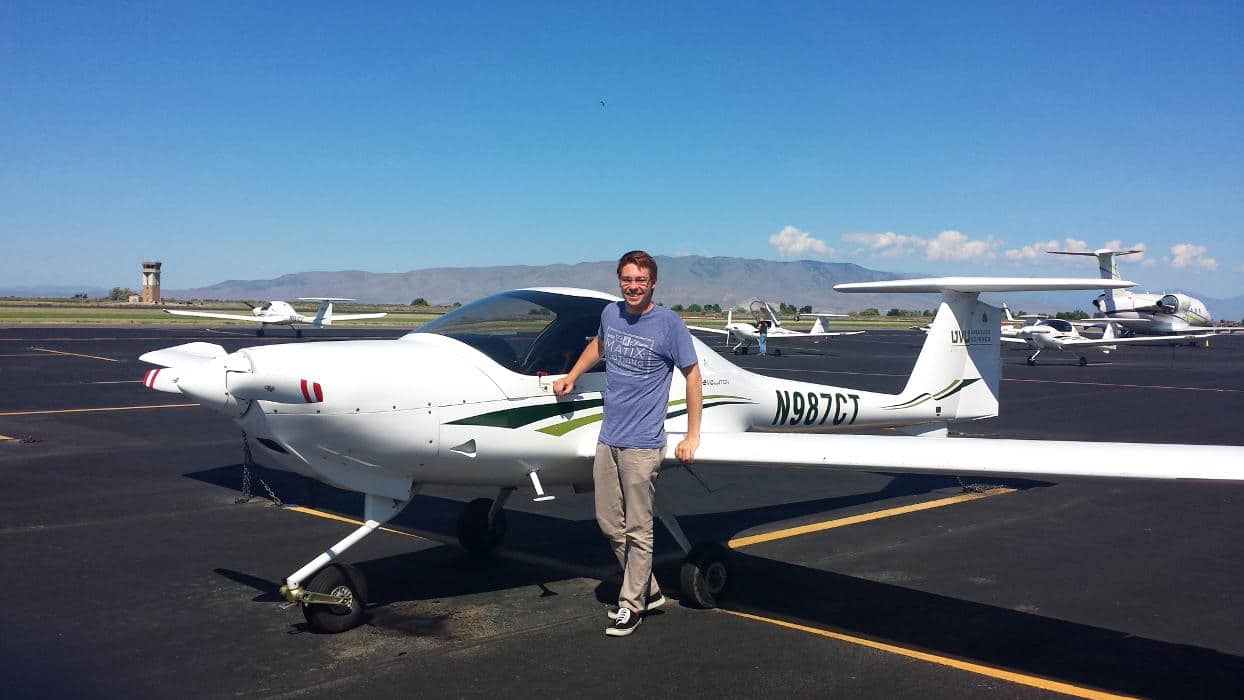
column 248, row 140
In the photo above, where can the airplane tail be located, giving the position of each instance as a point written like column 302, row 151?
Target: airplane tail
column 1107, row 266
column 323, row 314
column 1006, row 311
column 821, row 324
column 960, row 363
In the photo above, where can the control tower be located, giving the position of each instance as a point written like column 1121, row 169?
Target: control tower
column 151, row 282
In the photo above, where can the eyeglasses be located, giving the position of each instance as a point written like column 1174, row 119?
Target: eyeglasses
column 633, row 280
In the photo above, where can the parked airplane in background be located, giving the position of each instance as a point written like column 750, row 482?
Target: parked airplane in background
column 467, row 400
column 1058, row 334
column 1145, row 313
column 750, row 334
column 280, row 313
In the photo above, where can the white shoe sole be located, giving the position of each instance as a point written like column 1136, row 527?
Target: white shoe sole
column 659, row 602
column 616, row 632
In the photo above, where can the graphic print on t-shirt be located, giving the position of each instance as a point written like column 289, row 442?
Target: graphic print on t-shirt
column 629, row 354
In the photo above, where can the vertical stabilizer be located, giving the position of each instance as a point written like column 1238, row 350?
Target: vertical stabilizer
column 323, row 314
column 960, row 363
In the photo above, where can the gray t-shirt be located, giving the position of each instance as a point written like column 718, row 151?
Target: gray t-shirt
column 640, row 355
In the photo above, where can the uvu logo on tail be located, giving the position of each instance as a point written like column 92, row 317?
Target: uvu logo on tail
column 973, row 336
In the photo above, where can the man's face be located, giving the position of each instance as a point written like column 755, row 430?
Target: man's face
column 637, row 286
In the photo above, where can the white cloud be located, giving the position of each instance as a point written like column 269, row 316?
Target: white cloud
column 1191, row 255
column 888, row 244
column 1137, row 258
column 792, row 242
column 1036, row 252
column 947, row 245
column 954, row 245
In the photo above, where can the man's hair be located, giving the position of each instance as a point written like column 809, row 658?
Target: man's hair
column 640, row 259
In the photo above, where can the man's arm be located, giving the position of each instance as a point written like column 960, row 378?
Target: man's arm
column 587, row 359
column 695, row 406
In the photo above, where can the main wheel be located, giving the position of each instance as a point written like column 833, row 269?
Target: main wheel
column 1083, row 361
column 341, row 580
column 777, row 352
column 474, row 532
column 704, row 575
column 1032, row 362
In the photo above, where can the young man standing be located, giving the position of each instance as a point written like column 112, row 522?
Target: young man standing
column 641, row 344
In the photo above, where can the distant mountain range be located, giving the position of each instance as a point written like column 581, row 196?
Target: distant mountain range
column 690, row 279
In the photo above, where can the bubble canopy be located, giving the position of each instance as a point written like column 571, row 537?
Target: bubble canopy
column 528, row 331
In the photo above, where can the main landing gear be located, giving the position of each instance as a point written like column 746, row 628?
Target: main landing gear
column 334, row 596
column 1032, row 359
column 705, row 573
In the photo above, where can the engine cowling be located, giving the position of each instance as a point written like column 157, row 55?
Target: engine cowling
column 1173, row 304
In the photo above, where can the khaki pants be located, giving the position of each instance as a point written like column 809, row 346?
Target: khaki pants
column 625, row 483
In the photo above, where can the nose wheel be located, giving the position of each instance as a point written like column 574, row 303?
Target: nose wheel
column 1083, row 360
column 345, row 591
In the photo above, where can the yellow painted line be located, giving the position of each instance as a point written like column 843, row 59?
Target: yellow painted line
column 75, row 354
column 862, row 518
column 94, row 410
column 980, row 669
column 344, row 519
column 5, row 437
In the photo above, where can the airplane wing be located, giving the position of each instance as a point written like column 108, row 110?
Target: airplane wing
column 967, row 456
column 721, row 331
column 208, row 314
column 1012, row 340
column 799, row 335
column 1090, row 342
column 356, row 317
column 821, row 334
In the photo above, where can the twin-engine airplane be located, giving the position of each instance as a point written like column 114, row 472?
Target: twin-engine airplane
column 467, row 399
column 1145, row 313
column 1058, row 334
column 749, row 334
column 280, row 313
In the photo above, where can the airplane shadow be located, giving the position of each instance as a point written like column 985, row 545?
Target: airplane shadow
column 981, row 633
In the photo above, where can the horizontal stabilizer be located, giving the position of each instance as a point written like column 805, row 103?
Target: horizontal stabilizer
column 974, row 456
column 184, row 355
column 983, row 284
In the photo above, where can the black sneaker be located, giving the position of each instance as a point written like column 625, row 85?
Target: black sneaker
column 652, row 604
column 624, row 624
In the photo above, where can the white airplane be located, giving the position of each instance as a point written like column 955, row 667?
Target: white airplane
column 1145, row 313
column 1058, row 334
column 467, row 399
column 280, row 313
column 749, row 334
